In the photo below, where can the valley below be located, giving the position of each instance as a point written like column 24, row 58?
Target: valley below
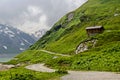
column 6, row 57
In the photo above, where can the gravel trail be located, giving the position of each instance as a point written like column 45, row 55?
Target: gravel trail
column 78, row 75
column 54, row 53
column 39, row 67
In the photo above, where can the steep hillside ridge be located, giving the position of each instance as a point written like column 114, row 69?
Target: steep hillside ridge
column 70, row 31
column 13, row 40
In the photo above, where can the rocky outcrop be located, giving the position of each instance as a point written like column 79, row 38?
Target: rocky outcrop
column 6, row 67
column 70, row 16
column 84, row 46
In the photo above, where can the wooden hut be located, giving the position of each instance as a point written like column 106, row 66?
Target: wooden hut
column 94, row 30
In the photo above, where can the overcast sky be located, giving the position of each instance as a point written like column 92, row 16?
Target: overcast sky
column 32, row 15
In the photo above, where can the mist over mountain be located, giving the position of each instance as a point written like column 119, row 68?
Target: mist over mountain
column 38, row 34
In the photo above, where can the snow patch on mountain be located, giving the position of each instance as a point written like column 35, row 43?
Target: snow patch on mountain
column 5, row 47
column 18, row 32
column 22, row 44
column 27, row 41
column 11, row 35
column 7, row 31
column 22, row 49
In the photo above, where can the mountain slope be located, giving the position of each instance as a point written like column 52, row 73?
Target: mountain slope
column 69, row 31
column 13, row 40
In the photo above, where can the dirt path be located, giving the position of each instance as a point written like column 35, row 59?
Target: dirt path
column 54, row 53
column 78, row 75
column 39, row 67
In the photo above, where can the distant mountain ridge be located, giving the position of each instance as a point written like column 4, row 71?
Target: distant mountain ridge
column 13, row 40
column 38, row 34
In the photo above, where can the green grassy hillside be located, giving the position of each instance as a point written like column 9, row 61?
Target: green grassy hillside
column 68, row 33
column 24, row 74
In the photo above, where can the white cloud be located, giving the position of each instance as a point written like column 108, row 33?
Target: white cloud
column 32, row 15
column 79, row 2
column 33, row 10
column 33, row 19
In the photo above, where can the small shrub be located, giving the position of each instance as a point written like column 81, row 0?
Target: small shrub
column 61, row 71
column 23, row 77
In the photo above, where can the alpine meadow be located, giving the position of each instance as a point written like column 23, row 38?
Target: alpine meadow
column 67, row 45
